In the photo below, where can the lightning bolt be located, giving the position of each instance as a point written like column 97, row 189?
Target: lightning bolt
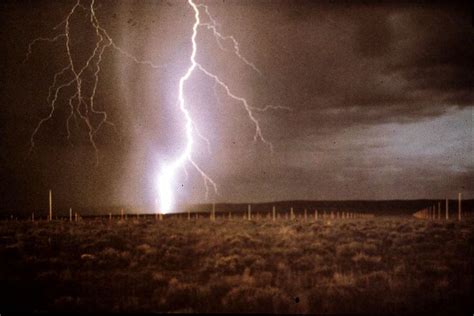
column 81, row 101
column 165, row 179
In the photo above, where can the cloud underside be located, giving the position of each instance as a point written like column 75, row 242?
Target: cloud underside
column 361, row 64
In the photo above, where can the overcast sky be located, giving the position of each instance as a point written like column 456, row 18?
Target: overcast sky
column 381, row 99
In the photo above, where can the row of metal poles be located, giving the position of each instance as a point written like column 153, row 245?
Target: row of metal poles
column 432, row 212
column 427, row 213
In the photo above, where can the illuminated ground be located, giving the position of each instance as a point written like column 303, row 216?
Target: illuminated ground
column 399, row 265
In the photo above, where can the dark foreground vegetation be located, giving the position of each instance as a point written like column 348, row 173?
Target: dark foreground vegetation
column 383, row 265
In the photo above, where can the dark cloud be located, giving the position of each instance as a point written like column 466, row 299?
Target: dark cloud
column 438, row 55
column 375, row 63
column 374, row 36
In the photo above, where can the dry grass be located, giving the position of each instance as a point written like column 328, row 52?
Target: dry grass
column 381, row 265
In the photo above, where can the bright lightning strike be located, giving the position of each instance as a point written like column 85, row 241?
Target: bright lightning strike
column 165, row 179
column 81, row 101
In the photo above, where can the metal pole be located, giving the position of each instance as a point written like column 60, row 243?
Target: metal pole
column 459, row 205
column 50, row 205
column 447, row 209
